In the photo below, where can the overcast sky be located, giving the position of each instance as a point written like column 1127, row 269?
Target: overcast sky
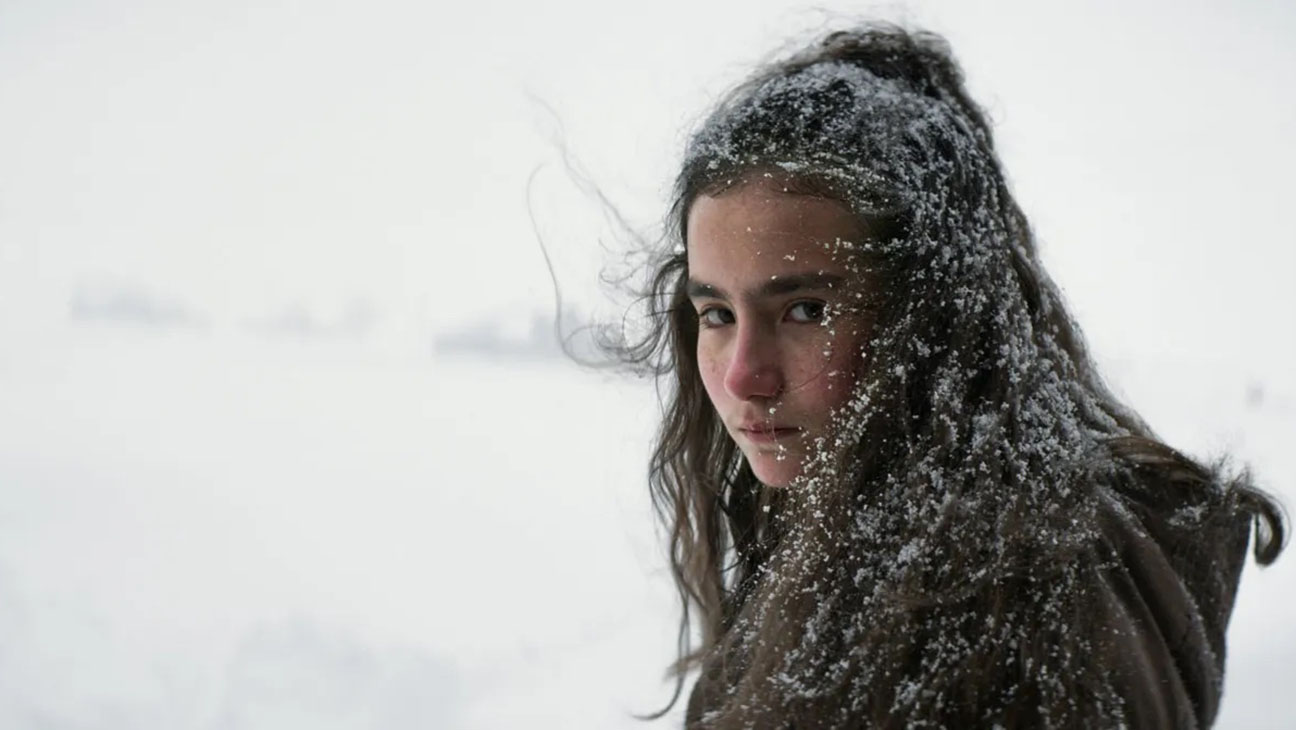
column 243, row 157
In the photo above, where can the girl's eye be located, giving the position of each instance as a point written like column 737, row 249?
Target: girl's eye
column 806, row 312
column 716, row 317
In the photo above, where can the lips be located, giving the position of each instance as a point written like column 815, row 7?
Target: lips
column 765, row 433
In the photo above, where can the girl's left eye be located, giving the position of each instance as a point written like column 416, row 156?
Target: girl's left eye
column 806, row 312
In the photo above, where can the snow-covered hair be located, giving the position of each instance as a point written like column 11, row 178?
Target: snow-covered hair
column 933, row 564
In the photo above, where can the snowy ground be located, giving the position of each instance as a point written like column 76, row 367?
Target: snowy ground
column 201, row 534
column 223, row 531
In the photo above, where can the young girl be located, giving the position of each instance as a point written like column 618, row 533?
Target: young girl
column 897, row 492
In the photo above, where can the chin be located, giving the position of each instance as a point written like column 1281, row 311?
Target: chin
column 772, row 472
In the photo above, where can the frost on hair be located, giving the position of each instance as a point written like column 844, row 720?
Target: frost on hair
column 946, row 556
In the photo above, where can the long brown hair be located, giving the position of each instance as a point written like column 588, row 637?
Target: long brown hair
column 933, row 564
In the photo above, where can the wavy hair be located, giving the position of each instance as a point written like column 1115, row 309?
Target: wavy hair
column 932, row 565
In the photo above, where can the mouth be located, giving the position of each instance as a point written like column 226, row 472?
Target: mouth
column 763, row 433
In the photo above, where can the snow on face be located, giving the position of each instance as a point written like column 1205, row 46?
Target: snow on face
column 779, row 340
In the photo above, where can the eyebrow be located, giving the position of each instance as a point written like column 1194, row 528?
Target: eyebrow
column 776, row 286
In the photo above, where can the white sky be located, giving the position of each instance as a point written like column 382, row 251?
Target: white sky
column 242, row 157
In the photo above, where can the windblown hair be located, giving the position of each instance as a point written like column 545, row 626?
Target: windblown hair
column 932, row 565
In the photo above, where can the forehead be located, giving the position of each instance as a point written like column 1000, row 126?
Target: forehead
column 758, row 229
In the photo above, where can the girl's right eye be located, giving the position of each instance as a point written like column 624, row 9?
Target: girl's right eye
column 715, row 317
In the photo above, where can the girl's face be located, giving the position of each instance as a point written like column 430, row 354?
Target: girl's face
column 776, row 287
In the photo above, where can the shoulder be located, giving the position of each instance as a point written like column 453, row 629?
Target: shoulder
column 1172, row 553
column 1131, row 606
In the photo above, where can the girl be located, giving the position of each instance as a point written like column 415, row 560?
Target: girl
column 896, row 490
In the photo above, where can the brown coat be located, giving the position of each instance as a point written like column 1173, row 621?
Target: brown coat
column 1171, row 596
column 1166, row 597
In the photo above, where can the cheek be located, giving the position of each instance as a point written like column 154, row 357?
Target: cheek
column 831, row 368
column 711, row 368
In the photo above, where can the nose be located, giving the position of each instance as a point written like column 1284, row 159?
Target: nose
column 754, row 371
